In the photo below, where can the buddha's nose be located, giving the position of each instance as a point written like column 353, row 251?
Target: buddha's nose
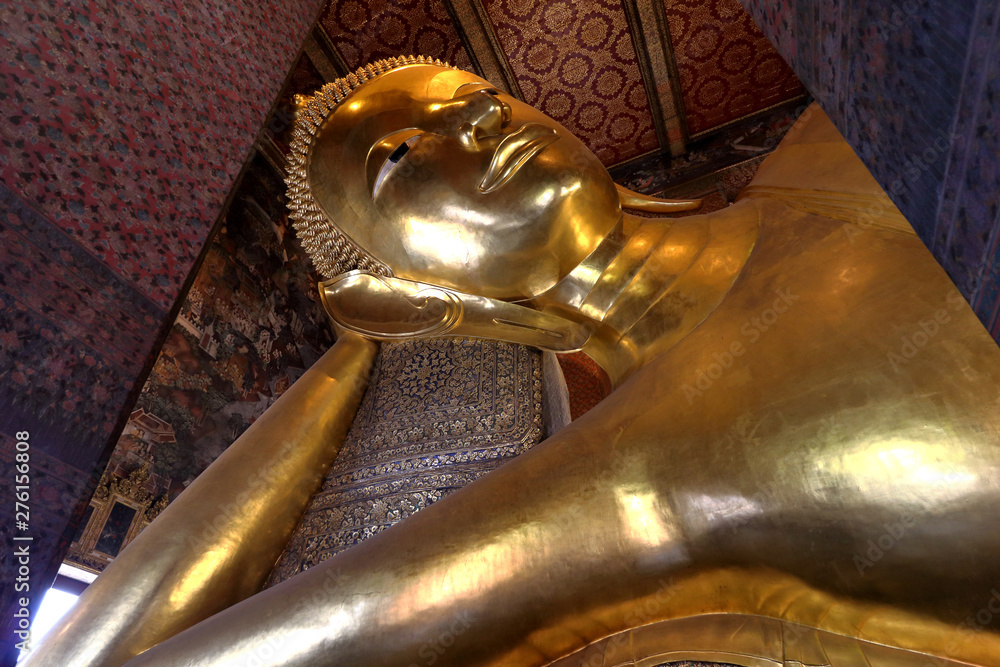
column 477, row 115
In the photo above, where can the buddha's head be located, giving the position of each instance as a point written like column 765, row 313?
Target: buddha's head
column 426, row 172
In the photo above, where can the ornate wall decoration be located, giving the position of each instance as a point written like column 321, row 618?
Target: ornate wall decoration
column 364, row 32
column 587, row 382
column 248, row 327
column 119, row 509
column 577, row 63
column 437, row 415
column 728, row 69
column 124, row 128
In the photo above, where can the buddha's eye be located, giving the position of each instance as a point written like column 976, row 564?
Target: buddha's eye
column 475, row 87
column 399, row 152
column 393, row 160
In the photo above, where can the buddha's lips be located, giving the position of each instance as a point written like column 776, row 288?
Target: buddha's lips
column 516, row 149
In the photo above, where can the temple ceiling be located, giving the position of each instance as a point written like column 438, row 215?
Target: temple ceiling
column 636, row 79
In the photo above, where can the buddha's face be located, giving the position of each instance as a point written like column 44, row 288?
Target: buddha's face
column 448, row 181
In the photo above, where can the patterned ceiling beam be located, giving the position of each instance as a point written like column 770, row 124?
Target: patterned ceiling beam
column 648, row 24
column 480, row 40
column 323, row 54
column 271, row 153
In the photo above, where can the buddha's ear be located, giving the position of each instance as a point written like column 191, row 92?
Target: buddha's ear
column 640, row 202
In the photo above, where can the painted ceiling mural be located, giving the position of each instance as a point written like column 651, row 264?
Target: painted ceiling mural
column 250, row 325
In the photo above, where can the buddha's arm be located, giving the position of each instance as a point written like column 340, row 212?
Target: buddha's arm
column 216, row 543
column 559, row 549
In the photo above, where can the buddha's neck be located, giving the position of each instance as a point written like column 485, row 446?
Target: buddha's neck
column 639, row 259
column 642, row 265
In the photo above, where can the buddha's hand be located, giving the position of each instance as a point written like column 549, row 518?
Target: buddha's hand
column 395, row 308
column 388, row 307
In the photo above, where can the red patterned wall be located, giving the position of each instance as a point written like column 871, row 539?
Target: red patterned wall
column 577, row 63
column 587, row 382
column 124, row 127
column 366, row 31
column 727, row 67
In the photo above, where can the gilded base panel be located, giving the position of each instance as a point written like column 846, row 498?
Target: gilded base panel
column 437, row 415
column 741, row 640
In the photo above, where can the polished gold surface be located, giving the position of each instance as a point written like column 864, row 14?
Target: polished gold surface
column 742, row 639
column 642, row 202
column 215, row 544
column 469, row 197
column 454, row 183
column 806, row 435
column 666, row 279
column 393, row 308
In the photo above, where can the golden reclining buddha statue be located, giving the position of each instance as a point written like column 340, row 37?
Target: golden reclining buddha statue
column 798, row 465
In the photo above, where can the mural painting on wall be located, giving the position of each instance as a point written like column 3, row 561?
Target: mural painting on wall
column 248, row 327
